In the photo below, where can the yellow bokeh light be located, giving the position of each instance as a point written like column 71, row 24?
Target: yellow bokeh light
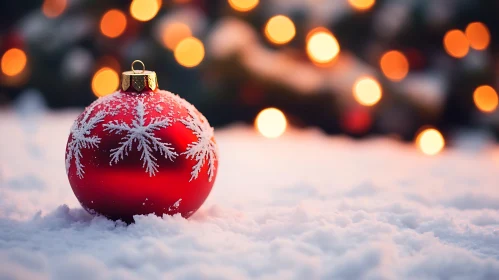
column 367, row 91
column 280, row 29
column 322, row 46
column 53, row 8
column 144, row 10
column 173, row 33
column 271, row 123
column 430, row 141
column 485, row 98
column 105, row 81
column 456, row 44
column 113, row 23
column 478, row 35
column 243, row 5
column 189, row 52
column 394, row 65
column 361, row 5
column 13, row 62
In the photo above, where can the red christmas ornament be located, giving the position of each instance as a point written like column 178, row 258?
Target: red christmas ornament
column 141, row 150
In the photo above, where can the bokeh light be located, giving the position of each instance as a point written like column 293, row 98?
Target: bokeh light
column 173, row 33
column 478, row 35
column 367, row 91
column 430, row 141
column 271, row 122
column 105, row 81
column 144, row 10
column 243, row 5
column 113, row 23
column 394, row 65
column 322, row 46
column 280, row 29
column 189, row 52
column 485, row 98
column 456, row 43
column 53, row 8
column 13, row 62
column 362, row 5
column 357, row 120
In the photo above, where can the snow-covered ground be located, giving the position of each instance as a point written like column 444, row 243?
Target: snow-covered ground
column 304, row 206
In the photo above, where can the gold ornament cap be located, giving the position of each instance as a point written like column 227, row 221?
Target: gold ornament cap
column 139, row 80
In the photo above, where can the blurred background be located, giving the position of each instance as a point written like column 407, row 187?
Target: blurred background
column 415, row 70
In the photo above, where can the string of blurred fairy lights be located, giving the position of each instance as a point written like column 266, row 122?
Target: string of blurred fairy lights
column 280, row 29
column 13, row 62
column 113, row 23
column 53, row 8
column 322, row 48
column 144, row 10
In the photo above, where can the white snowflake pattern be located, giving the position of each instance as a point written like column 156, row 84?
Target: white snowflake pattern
column 204, row 149
column 81, row 139
column 142, row 133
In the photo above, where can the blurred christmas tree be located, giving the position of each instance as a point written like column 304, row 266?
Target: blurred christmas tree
column 347, row 66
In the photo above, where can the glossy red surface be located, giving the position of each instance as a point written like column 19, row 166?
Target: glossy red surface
column 123, row 189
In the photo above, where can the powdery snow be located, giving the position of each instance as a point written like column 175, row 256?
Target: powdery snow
column 304, row 206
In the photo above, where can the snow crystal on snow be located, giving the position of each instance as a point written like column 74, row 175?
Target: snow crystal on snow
column 374, row 209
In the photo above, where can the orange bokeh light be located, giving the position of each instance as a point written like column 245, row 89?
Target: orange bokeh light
column 430, row 141
column 456, row 43
column 485, row 98
column 280, row 29
column 13, row 62
column 322, row 46
column 478, row 35
column 394, row 65
column 362, row 5
column 144, row 10
column 243, row 5
column 367, row 91
column 105, row 81
column 173, row 33
column 53, row 8
column 113, row 23
column 189, row 52
column 271, row 122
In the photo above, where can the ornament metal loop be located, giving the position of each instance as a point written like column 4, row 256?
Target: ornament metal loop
column 137, row 80
column 143, row 66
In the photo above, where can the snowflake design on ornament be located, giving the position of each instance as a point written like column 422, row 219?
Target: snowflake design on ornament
column 142, row 133
column 204, row 149
column 158, row 108
column 81, row 138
